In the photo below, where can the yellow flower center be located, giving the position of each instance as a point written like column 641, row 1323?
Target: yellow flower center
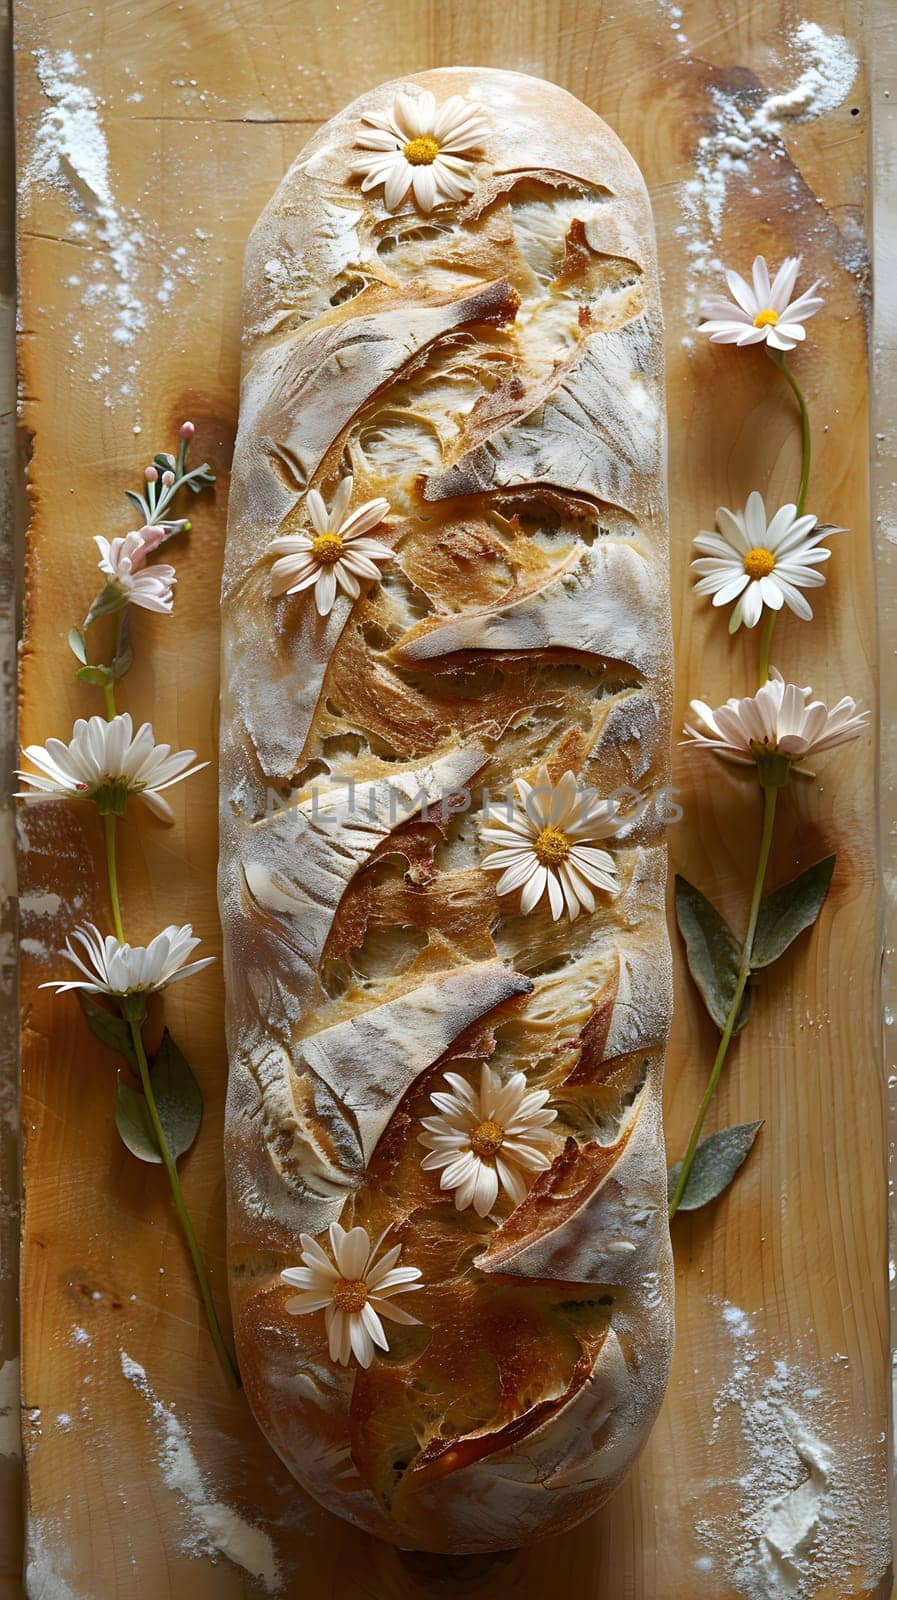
column 350, row 1294
column 759, row 563
column 487, row 1139
column 328, row 547
column 552, row 847
column 421, row 152
column 766, row 319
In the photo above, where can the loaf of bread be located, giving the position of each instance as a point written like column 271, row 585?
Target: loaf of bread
column 446, row 680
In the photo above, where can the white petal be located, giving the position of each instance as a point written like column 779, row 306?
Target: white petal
column 398, row 182
column 374, row 1326
column 339, row 505
column 486, row 1191
column 556, row 896
column 742, row 293
column 352, row 1252
column 317, row 511
column 533, row 890
column 424, row 185
column 752, row 605
column 325, row 591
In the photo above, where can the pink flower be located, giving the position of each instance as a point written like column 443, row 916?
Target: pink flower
column 124, row 563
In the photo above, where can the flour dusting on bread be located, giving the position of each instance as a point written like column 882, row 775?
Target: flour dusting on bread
column 451, row 306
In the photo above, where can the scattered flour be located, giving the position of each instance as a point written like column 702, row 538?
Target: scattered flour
column 70, row 152
column 122, row 283
column 218, row 1528
column 10, row 1427
column 744, row 126
column 807, row 1512
column 45, row 904
column 829, row 70
column 45, row 1548
column 673, row 14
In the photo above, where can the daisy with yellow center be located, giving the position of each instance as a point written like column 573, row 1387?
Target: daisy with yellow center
column 762, row 312
column 336, row 555
column 355, row 1290
column 759, row 561
column 546, row 845
column 488, row 1139
column 420, row 146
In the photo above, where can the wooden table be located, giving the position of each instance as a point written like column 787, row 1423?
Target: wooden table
column 148, row 139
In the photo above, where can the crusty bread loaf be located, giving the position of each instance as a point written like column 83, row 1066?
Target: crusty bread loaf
column 493, row 370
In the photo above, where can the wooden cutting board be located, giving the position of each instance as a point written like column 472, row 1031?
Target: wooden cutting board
column 148, row 139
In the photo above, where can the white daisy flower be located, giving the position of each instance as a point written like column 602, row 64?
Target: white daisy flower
column 105, row 762
column 335, row 553
column 124, row 563
column 780, row 719
column 546, row 846
column 487, row 1139
column 761, row 561
column 762, row 310
column 119, row 969
column 419, row 146
column 355, row 1291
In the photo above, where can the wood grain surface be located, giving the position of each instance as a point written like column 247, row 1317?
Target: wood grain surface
column 130, row 321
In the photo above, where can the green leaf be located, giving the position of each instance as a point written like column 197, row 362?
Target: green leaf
column 178, row 1102
column 109, row 599
column 178, row 1096
column 717, row 1159
column 713, row 953
column 109, row 1027
column 122, row 663
column 786, row 912
column 77, row 645
column 100, row 677
column 139, row 504
column 123, row 659
column 164, row 462
column 132, row 1120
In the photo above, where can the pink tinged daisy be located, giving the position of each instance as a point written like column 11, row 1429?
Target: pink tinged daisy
column 546, row 845
column 486, row 1140
column 420, row 146
column 355, row 1290
column 781, row 719
column 124, row 563
column 762, row 311
column 105, row 762
column 759, row 561
column 109, row 966
column 336, row 553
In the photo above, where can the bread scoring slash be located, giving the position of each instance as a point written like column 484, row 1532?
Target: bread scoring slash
column 444, row 749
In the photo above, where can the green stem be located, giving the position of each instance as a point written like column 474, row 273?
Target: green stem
column 109, row 697
column 795, row 388
column 227, row 1364
column 770, row 796
column 766, row 644
column 109, row 821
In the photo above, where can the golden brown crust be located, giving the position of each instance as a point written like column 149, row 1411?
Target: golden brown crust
column 495, row 372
